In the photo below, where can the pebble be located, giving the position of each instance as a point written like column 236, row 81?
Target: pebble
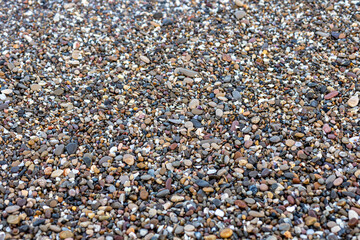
column 289, row 142
column 144, row 59
column 129, row 159
column 338, row 182
column 57, row 173
column 163, row 193
column 66, row 234
column 13, row 219
column 255, row 119
column 186, row 72
column 327, row 128
column 226, row 233
column 240, row 14
column 331, row 95
column 275, row 139
column 202, row 183
column 35, row 87
column 59, row 149
column 353, row 101
column 194, row 103
column 12, row 209
column 219, row 213
column 219, row 113
column 71, row 148
column 256, row 214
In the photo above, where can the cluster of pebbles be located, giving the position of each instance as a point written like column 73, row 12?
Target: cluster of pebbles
column 184, row 119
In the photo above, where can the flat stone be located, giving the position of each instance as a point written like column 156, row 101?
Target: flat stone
column 71, row 148
column 256, row 214
column 129, row 159
column 7, row 91
column 163, row 193
column 353, row 214
column 11, row 209
column 35, row 87
column 13, row 219
column 240, row 14
column 219, row 213
column 219, row 113
column 338, row 182
column 179, row 229
column 331, row 95
column 59, row 149
column 330, row 179
column 177, row 198
column 57, row 173
column 335, row 229
column 194, row 103
column 66, row 234
column 275, row 139
column 189, row 228
column 58, row 92
column 248, row 144
column 353, row 101
column 289, row 142
column 144, row 59
column 186, row 72
column 202, row 183
column 38, row 222
column 87, row 159
column 226, row 233
column 284, row 227
column 255, row 119
column 310, row 220
column 144, row 194
column 322, row 34
column 326, row 128
column 236, row 95
column 240, row 204
column 263, row 187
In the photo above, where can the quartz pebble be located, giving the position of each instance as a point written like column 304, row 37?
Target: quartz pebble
column 240, row 14
column 145, row 59
column 353, row 101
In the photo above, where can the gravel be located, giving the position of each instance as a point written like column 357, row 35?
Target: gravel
column 179, row 120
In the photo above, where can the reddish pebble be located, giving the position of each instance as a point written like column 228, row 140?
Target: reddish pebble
column 234, row 125
column 173, row 146
column 326, row 128
column 296, row 180
column 168, row 183
column 291, row 199
column 331, row 95
column 240, row 204
column 353, row 222
column 331, row 136
column 263, row 187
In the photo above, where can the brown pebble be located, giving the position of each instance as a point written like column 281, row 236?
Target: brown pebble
column 353, row 222
column 144, row 194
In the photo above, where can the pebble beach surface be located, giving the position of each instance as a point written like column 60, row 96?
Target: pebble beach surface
column 181, row 119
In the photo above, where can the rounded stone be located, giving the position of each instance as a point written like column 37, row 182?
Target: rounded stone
column 66, row 234
column 226, row 233
column 129, row 159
